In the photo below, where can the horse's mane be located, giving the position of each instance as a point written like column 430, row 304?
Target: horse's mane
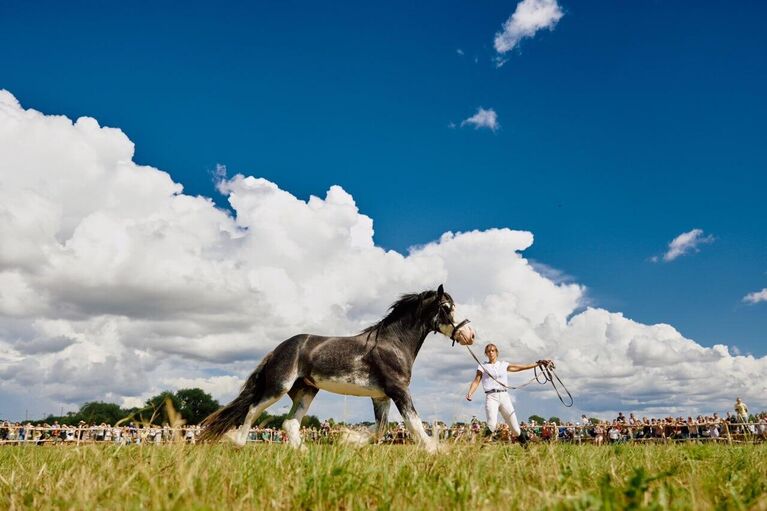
column 409, row 307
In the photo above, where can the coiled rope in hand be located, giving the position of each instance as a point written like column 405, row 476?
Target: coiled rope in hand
column 544, row 373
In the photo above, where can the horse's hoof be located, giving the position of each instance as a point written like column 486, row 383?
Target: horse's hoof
column 234, row 438
column 355, row 438
column 433, row 447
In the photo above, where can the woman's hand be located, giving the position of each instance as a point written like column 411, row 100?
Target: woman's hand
column 546, row 363
column 468, row 397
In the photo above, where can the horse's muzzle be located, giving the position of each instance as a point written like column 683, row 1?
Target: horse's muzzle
column 465, row 335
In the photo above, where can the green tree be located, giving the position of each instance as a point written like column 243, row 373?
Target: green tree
column 275, row 421
column 155, row 411
column 96, row 412
column 537, row 418
column 556, row 420
column 311, row 421
column 195, row 404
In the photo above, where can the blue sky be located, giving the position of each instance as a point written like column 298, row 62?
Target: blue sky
column 626, row 125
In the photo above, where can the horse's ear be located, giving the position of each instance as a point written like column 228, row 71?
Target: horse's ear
column 440, row 292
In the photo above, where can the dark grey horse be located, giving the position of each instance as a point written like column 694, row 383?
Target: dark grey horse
column 376, row 363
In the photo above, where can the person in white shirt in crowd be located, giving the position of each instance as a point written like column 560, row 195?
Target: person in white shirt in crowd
column 713, row 428
column 493, row 375
column 614, row 433
column 117, row 434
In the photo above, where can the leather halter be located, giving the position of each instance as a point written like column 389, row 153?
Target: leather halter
column 456, row 328
column 435, row 327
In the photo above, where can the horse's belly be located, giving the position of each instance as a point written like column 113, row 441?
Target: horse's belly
column 349, row 388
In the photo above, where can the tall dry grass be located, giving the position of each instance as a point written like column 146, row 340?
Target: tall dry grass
column 385, row 477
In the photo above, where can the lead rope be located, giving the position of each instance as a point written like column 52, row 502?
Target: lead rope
column 548, row 376
column 547, row 373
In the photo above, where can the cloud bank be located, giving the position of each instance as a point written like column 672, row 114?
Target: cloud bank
column 114, row 285
column 529, row 17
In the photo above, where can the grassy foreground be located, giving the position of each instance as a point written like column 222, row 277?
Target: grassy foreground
column 385, row 477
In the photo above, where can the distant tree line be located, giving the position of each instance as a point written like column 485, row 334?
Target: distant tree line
column 189, row 405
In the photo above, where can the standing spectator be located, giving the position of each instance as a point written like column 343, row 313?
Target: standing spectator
column 476, row 426
column 599, row 433
column 713, row 428
column 614, row 433
column 27, row 431
column 761, row 428
column 504, row 435
column 692, row 427
column 55, row 431
column 633, row 422
column 741, row 410
column 658, row 431
column 548, row 431
column 643, row 430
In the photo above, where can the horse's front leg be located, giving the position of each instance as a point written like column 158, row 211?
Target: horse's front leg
column 381, row 411
column 401, row 398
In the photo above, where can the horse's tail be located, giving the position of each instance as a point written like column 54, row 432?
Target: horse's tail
column 232, row 415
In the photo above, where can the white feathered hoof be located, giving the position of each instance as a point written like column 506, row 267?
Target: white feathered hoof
column 431, row 445
column 233, row 435
column 293, row 429
column 355, row 438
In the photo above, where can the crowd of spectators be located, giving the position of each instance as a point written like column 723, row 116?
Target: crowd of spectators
column 27, row 433
column 634, row 429
column 732, row 427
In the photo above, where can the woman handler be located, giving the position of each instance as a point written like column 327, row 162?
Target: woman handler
column 493, row 375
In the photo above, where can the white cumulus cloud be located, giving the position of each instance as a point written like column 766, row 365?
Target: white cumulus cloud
column 685, row 243
column 756, row 296
column 529, row 17
column 484, row 118
column 115, row 285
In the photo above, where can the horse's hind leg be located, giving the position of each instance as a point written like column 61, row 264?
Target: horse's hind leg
column 302, row 395
column 269, row 392
column 275, row 378
column 239, row 436
column 381, row 410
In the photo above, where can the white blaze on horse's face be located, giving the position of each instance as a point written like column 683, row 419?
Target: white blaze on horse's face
column 464, row 335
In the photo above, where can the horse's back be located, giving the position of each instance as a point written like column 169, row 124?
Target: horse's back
column 342, row 365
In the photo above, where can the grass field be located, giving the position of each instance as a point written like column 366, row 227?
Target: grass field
column 385, row 477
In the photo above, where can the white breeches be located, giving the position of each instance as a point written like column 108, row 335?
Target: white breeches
column 501, row 401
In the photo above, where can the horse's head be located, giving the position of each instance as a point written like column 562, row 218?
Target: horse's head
column 445, row 322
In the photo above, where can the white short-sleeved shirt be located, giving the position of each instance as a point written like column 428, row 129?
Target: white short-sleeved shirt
column 499, row 372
